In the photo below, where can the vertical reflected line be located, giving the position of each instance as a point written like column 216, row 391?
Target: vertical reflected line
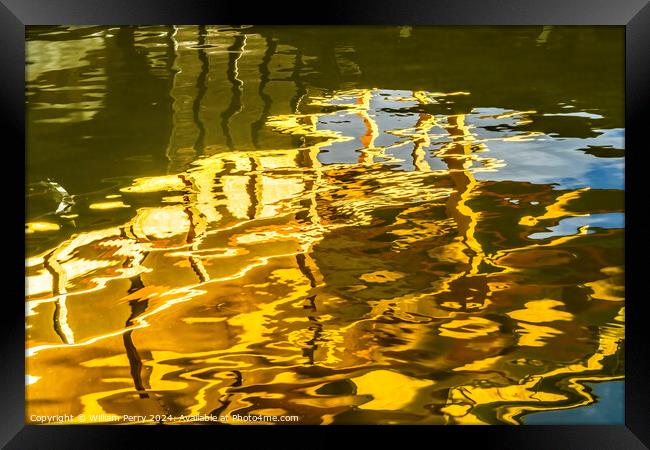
column 256, row 126
column 234, row 53
column 309, row 213
column 301, row 259
column 174, row 69
column 367, row 154
column 193, row 237
column 300, row 87
column 138, row 307
column 316, row 167
column 308, row 159
column 424, row 124
column 316, row 326
column 59, row 280
column 195, row 262
column 136, row 281
column 254, row 189
column 464, row 181
column 201, row 88
column 60, row 319
column 135, row 361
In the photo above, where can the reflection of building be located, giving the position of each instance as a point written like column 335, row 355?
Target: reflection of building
column 200, row 92
column 227, row 81
column 253, row 266
column 158, row 97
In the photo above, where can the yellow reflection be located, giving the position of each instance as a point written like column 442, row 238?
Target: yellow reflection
column 557, row 210
column 155, row 184
column 161, row 223
column 270, row 280
column 539, row 311
column 109, row 205
column 469, row 328
column 610, row 288
column 33, row 227
column 389, row 390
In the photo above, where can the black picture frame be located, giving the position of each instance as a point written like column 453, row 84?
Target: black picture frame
column 634, row 15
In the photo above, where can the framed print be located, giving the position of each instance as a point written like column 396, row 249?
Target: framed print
column 385, row 215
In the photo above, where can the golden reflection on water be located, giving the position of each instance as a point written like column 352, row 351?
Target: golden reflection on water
column 398, row 286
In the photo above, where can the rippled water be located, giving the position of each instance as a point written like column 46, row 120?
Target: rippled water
column 350, row 225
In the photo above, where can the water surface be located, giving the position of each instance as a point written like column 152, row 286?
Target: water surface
column 348, row 224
